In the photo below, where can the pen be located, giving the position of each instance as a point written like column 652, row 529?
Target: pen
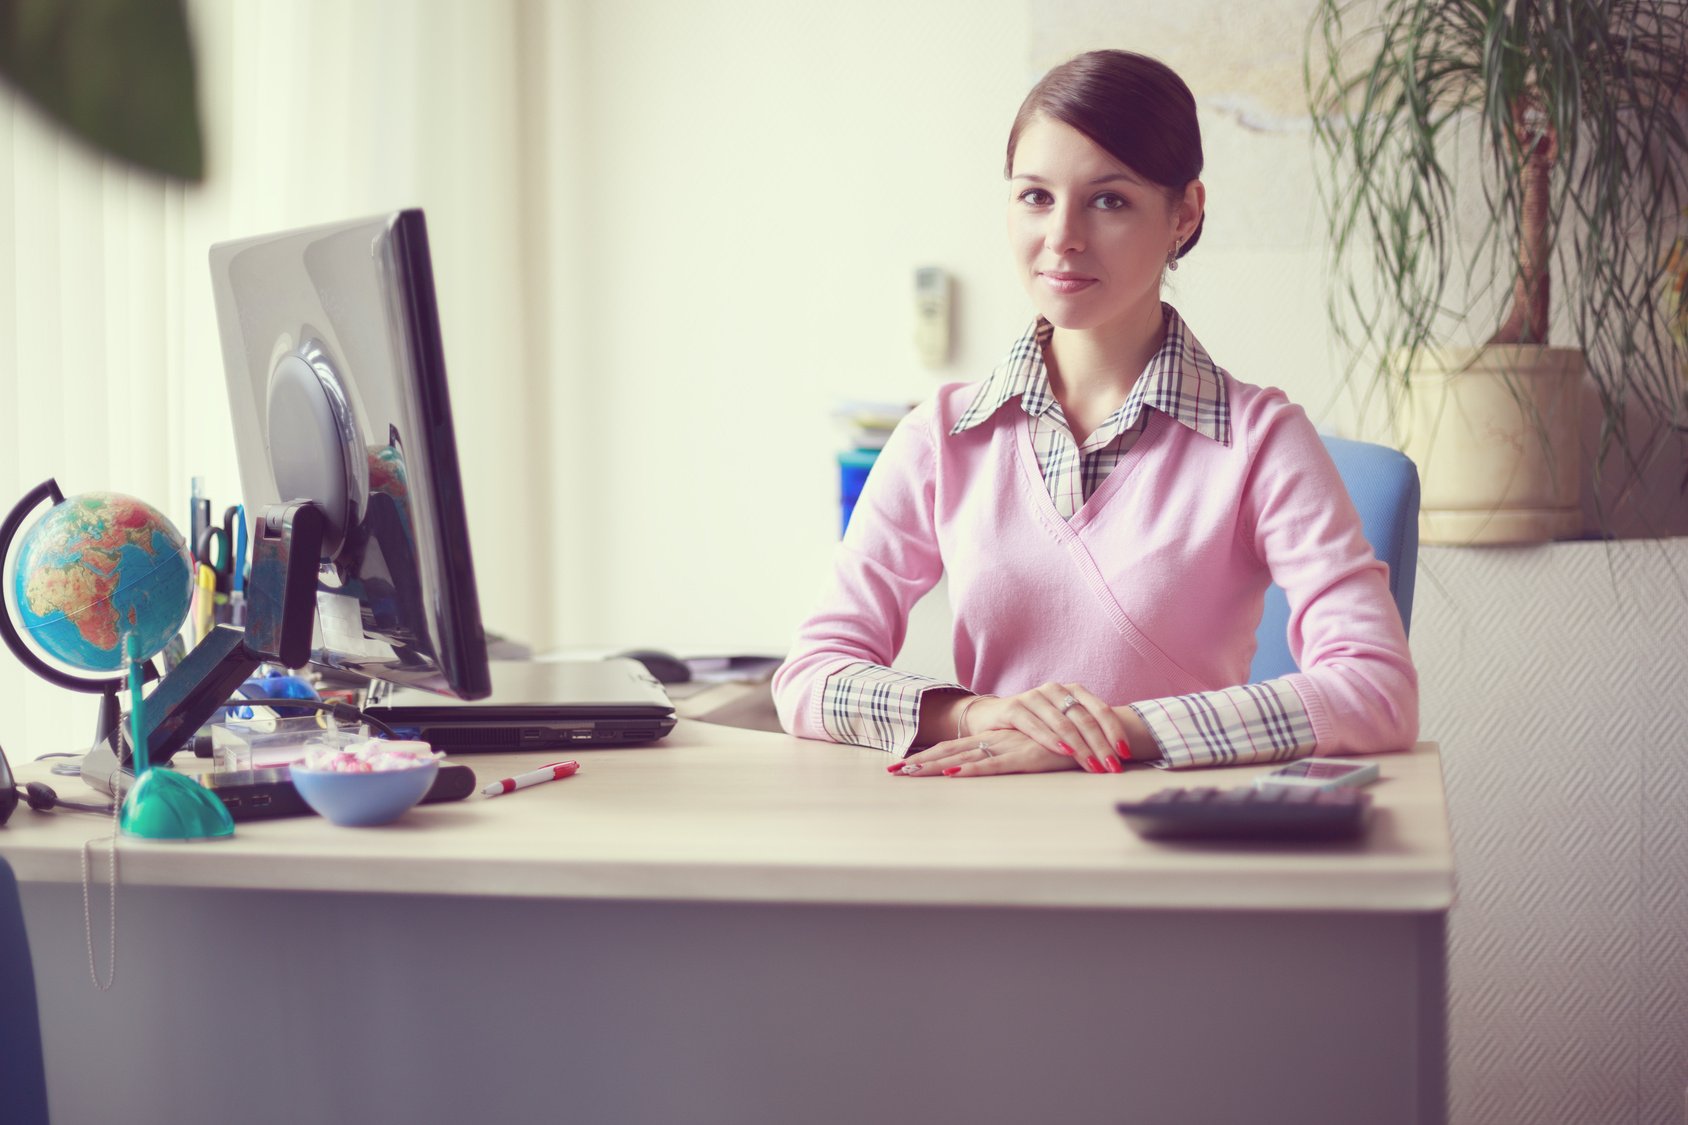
column 199, row 513
column 237, row 581
column 552, row 772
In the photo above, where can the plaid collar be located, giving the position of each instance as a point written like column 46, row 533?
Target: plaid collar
column 1181, row 381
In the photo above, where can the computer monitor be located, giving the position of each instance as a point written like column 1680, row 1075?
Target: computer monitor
column 342, row 422
column 337, row 395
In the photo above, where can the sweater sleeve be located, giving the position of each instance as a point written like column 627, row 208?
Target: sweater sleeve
column 1356, row 679
column 836, row 684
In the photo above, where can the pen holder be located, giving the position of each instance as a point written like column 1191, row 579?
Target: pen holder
column 263, row 741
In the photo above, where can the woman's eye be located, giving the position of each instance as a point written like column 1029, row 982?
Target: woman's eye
column 1036, row 197
column 1108, row 201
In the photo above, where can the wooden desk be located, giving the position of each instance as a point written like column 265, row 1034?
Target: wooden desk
column 741, row 927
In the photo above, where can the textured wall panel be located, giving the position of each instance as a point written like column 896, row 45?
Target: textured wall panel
column 1556, row 680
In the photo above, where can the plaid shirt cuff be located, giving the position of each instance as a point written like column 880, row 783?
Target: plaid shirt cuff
column 1265, row 722
column 871, row 705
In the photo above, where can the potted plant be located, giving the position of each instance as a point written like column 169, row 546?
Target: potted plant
column 1474, row 149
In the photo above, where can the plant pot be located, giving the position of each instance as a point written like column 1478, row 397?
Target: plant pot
column 1495, row 433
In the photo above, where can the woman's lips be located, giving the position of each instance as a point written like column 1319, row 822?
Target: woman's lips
column 1067, row 283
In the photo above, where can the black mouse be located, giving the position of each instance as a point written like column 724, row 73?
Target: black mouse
column 664, row 666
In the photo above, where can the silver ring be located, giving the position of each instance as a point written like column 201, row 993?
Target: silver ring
column 985, row 749
column 1067, row 704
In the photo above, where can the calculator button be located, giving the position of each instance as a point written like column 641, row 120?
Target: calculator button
column 1246, row 813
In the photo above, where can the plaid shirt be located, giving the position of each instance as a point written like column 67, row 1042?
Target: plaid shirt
column 1180, row 381
column 870, row 705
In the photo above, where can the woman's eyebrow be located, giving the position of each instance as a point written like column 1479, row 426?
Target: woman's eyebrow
column 1111, row 177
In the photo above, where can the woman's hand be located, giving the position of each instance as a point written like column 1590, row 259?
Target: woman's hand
column 1066, row 721
column 989, row 752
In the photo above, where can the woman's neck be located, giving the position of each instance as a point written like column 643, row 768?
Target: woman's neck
column 1091, row 371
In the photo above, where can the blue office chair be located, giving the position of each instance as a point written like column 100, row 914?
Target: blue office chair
column 23, row 1073
column 1384, row 485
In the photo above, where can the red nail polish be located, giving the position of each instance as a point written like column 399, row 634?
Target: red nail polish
column 1065, row 749
column 894, row 767
column 1124, row 749
column 1090, row 765
column 1112, row 765
column 952, row 771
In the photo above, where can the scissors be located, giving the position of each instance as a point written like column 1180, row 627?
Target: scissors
column 229, row 566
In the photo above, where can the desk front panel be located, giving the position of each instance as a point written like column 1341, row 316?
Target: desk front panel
column 284, row 1007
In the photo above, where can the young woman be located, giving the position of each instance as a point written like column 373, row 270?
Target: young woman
column 1109, row 506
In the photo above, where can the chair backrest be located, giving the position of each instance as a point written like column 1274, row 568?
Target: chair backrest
column 1383, row 483
column 23, row 1074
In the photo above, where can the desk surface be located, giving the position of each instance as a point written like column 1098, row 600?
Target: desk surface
column 721, row 814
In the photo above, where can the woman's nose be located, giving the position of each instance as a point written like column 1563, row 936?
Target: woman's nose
column 1065, row 233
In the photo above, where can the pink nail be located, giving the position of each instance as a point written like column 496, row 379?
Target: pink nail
column 951, row 772
column 1065, row 749
column 1124, row 748
column 1090, row 765
column 1112, row 765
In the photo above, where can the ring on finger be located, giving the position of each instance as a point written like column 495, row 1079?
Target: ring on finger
column 1068, row 703
column 985, row 749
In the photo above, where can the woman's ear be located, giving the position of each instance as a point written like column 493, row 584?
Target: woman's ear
column 1190, row 208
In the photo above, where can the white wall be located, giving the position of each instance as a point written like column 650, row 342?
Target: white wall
column 757, row 184
column 313, row 110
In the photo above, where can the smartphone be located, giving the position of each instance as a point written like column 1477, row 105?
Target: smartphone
column 1319, row 773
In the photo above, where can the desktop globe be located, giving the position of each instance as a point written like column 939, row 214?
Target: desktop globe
column 95, row 569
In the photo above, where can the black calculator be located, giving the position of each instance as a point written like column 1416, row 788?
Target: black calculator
column 1247, row 813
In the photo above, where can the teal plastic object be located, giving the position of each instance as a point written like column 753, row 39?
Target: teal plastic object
column 853, row 468
column 162, row 804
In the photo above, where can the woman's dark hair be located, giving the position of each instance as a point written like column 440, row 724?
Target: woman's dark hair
column 1134, row 107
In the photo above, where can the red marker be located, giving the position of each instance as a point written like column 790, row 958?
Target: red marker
column 552, row 772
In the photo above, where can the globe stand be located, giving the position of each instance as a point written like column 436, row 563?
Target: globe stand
column 110, row 713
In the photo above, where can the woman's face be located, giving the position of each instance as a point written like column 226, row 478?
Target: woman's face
column 1089, row 234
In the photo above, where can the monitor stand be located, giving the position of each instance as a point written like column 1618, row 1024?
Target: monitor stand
column 281, row 610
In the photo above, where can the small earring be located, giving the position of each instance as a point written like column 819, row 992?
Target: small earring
column 1172, row 257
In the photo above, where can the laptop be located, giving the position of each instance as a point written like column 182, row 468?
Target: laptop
column 538, row 705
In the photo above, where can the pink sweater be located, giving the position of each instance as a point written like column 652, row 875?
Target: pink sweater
column 1154, row 589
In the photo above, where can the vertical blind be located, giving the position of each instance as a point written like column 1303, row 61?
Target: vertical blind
column 314, row 111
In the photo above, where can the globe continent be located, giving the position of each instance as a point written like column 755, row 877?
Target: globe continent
column 97, row 568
